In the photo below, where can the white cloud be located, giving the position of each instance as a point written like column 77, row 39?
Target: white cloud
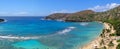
column 106, row 7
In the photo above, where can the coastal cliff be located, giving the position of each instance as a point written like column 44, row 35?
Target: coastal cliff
column 82, row 16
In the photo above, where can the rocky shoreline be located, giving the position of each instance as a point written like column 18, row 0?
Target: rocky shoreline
column 2, row 20
column 104, row 41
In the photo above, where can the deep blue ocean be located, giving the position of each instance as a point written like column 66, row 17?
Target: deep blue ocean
column 37, row 33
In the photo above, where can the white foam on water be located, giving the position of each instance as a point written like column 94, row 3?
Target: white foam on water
column 42, row 19
column 84, row 23
column 59, row 20
column 15, row 37
column 66, row 30
column 36, row 37
column 5, row 20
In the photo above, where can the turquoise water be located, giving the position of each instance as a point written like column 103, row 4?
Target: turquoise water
column 36, row 33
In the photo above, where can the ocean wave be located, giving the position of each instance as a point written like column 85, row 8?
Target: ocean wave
column 84, row 23
column 16, row 37
column 35, row 37
column 5, row 20
column 60, row 20
column 66, row 30
column 42, row 19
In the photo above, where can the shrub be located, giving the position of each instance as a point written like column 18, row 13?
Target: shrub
column 118, row 40
column 102, row 42
column 118, row 46
column 110, row 44
column 113, row 34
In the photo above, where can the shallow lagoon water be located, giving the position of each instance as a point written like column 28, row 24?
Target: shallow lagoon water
column 36, row 33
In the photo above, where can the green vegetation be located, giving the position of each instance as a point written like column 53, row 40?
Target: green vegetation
column 103, row 32
column 118, row 40
column 103, row 47
column 110, row 44
column 113, row 34
column 116, row 25
column 111, row 16
column 118, row 46
column 107, row 30
column 102, row 35
column 102, row 42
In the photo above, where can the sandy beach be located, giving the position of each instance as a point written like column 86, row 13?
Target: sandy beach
column 96, row 43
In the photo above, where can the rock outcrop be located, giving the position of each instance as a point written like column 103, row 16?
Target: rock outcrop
column 1, row 20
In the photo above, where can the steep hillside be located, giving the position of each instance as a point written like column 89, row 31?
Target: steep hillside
column 78, row 16
column 108, row 15
column 88, row 15
column 111, row 16
column 57, row 16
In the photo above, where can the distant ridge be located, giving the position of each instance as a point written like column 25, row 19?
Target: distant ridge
column 57, row 16
column 80, row 16
column 87, row 15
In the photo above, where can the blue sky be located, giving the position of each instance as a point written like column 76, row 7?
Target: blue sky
column 46, row 7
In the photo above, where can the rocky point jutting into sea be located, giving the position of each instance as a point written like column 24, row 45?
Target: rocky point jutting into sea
column 109, row 38
column 1, row 20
